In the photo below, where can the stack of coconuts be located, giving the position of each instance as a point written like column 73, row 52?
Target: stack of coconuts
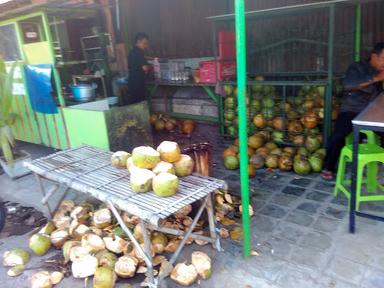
column 156, row 170
column 94, row 244
column 262, row 152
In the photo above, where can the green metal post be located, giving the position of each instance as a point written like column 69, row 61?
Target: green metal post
column 329, row 90
column 358, row 33
column 243, row 137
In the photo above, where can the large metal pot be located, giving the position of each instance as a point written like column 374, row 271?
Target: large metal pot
column 83, row 92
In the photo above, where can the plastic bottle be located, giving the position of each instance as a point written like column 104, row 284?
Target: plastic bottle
column 156, row 68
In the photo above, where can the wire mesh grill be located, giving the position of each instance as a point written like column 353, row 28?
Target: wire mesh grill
column 88, row 170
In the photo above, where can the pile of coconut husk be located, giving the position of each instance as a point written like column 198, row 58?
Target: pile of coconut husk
column 94, row 244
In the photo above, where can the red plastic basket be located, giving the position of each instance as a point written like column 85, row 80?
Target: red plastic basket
column 226, row 70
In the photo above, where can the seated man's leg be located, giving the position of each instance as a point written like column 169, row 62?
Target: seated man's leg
column 343, row 127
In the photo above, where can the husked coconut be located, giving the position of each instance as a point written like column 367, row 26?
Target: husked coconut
column 67, row 248
column 145, row 157
column 119, row 159
column 169, row 151
column 184, row 166
column 92, row 243
column 202, row 263
column 183, row 212
column 15, row 257
column 165, row 184
column 77, row 252
column 165, row 268
column 41, row 279
column 104, row 278
column 40, row 244
column 16, row 270
column 81, row 214
column 62, row 222
column 184, row 274
column 141, row 179
column 47, row 229
column 59, row 237
column 138, row 233
column 137, row 255
column 164, row 167
column 56, row 277
column 80, row 231
column 84, row 267
column 102, row 218
column 172, row 246
column 125, row 266
column 130, row 219
column 159, row 241
column 106, row 259
column 66, row 205
column 115, row 244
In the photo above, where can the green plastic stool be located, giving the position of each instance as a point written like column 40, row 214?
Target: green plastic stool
column 368, row 154
column 372, row 138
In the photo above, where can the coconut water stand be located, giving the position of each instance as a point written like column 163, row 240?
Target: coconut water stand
column 56, row 49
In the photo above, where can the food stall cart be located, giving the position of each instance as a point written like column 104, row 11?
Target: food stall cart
column 56, row 49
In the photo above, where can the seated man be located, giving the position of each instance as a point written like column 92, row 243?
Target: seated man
column 362, row 83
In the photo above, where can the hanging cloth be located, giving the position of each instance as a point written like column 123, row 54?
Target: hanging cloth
column 39, row 85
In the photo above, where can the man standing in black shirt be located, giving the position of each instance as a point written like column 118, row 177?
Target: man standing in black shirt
column 362, row 83
column 138, row 69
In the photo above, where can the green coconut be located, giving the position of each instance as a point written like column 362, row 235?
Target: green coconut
column 119, row 159
column 40, row 244
column 16, row 270
column 163, row 166
column 67, row 247
column 41, row 279
column 184, row 275
column 165, row 184
column 202, row 263
column 102, row 218
column 145, row 157
column 184, row 167
column 141, row 179
column 104, row 278
column 169, row 151
column 106, row 259
column 59, row 237
column 115, row 244
column 84, row 267
column 56, row 277
column 92, row 242
column 125, row 266
column 159, row 242
column 15, row 257
column 48, row 228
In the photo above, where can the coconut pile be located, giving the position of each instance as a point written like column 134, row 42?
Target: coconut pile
column 155, row 170
column 93, row 244
column 265, row 153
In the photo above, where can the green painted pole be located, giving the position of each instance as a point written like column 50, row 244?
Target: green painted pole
column 242, row 115
column 357, row 33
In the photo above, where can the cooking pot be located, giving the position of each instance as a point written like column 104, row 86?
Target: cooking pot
column 84, row 92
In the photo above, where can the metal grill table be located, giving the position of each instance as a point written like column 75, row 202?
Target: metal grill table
column 88, row 170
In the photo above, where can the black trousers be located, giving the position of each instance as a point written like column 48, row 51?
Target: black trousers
column 343, row 127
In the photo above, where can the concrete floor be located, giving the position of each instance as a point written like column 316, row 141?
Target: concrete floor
column 299, row 229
